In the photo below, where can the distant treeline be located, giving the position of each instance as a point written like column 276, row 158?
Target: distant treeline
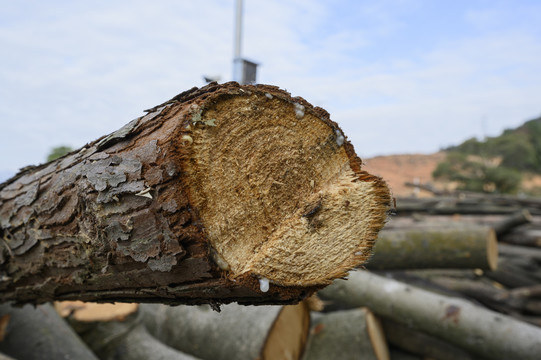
column 495, row 164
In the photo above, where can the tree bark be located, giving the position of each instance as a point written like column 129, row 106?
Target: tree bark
column 452, row 247
column 208, row 198
column 479, row 331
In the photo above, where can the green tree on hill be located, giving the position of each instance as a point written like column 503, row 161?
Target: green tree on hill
column 474, row 174
column 57, row 152
column 496, row 163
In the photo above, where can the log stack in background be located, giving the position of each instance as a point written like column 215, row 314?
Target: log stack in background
column 502, row 288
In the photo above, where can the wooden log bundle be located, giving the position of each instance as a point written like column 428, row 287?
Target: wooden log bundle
column 525, row 237
column 467, row 247
column 124, row 338
column 482, row 332
column 512, row 221
column 237, row 332
column 349, row 334
column 224, row 193
column 30, row 333
column 519, row 266
column 131, row 343
column 421, row 344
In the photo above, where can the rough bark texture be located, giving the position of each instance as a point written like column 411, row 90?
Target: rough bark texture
column 208, row 196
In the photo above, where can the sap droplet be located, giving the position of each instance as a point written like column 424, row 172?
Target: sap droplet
column 264, row 284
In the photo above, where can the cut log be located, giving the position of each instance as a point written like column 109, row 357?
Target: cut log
column 512, row 276
column 418, row 343
column 473, row 328
column 523, row 292
column 479, row 289
column 524, row 237
column 124, row 340
column 208, row 198
column 519, row 218
column 454, row 247
column 469, row 203
column 518, row 266
column 521, row 252
column 91, row 312
column 518, row 303
column 485, row 293
column 446, row 208
column 40, row 333
column 427, row 187
column 350, row 334
column 402, row 355
column 237, row 332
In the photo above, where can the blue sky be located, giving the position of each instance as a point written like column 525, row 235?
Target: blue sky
column 402, row 76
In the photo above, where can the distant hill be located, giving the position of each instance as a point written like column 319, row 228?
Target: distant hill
column 497, row 164
column 518, row 148
column 508, row 163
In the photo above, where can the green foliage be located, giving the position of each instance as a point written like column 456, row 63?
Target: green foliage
column 518, row 148
column 58, row 151
column 505, row 180
column 496, row 163
column 516, row 152
column 474, row 174
column 470, row 146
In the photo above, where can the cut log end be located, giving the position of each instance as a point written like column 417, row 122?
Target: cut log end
column 287, row 337
column 376, row 334
column 492, row 251
column 293, row 205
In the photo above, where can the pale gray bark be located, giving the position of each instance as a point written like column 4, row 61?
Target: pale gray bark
column 35, row 333
column 480, row 331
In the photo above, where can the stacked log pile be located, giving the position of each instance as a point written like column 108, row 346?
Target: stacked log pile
column 470, row 290
column 244, row 194
column 506, row 286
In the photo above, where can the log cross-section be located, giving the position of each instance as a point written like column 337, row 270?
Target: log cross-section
column 224, row 193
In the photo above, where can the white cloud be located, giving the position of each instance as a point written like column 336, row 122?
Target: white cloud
column 73, row 71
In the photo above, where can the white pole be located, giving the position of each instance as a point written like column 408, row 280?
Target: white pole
column 237, row 61
column 238, row 29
